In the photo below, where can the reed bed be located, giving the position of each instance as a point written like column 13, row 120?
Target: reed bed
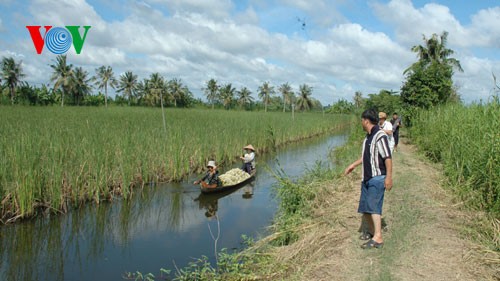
column 58, row 158
column 466, row 139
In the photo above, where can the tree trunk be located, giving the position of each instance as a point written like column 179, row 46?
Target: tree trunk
column 106, row 95
column 12, row 91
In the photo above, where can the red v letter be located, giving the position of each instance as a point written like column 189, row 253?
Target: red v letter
column 36, row 37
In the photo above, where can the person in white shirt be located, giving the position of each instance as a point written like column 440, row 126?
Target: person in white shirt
column 248, row 159
column 387, row 128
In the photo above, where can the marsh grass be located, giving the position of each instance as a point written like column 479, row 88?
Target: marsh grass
column 466, row 139
column 55, row 159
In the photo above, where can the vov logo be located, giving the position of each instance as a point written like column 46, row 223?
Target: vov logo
column 58, row 39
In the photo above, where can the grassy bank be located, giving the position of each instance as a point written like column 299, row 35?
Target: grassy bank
column 58, row 158
column 466, row 140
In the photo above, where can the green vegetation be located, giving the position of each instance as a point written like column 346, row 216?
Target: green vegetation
column 466, row 140
column 74, row 86
column 429, row 80
column 56, row 158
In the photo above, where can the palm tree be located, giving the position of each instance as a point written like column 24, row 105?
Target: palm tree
column 62, row 75
column 211, row 91
column 434, row 51
column 265, row 93
column 227, row 95
column 104, row 77
column 12, row 73
column 175, row 90
column 143, row 90
column 358, row 99
column 80, row 84
column 128, row 85
column 155, row 89
column 244, row 96
column 304, row 101
column 286, row 92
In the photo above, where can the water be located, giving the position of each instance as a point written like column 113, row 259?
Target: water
column 161, row 227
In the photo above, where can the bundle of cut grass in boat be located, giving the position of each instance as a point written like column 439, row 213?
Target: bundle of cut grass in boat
column 233, row 176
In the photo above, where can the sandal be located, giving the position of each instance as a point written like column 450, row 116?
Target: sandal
column 366, row 236
column 372, row 244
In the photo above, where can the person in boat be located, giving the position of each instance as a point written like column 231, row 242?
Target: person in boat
column 211, row 178
column 248, row 159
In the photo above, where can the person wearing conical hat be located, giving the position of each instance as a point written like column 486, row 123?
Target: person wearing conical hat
column 248, row 159
column 211, row 178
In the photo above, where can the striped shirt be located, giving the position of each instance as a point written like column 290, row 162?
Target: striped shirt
column 375, row 151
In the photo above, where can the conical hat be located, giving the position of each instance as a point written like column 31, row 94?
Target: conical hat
column 249, row 147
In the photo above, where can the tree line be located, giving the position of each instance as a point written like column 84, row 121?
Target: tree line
column 75, row 86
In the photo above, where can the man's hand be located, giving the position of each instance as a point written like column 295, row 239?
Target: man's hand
column 351, row 167
column 388, row 183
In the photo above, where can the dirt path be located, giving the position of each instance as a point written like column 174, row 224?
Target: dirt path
column 422, row 240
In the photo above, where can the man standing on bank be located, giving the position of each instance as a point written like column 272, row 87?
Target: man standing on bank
column 377, row 176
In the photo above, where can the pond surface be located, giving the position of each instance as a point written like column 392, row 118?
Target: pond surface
column 161, row 227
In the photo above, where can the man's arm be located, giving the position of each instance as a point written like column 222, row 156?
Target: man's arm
column 354, row 164
column 388, row 175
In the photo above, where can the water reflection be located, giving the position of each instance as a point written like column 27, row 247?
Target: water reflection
column 159, row 225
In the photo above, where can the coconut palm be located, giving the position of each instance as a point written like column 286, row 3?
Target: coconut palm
column 142, row 90
column 434, row 51
column 286, row 93
column 175, row 90
column 104, row 77
column 80, row 84
column 62, row 75
column 244, row 96
column 211, row 91
column 156, row 89
column 304, row 101
column 227, row 95
column 12, row 73
column 266, row 91
column 128, row 85
column 358, row 99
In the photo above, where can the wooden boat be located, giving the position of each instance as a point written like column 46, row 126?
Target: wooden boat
column 229, row 187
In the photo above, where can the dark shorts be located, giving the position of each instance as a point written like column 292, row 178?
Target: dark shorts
column 395, row 134
column 372, row 196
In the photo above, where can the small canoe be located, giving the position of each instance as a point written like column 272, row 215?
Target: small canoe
column 228, row 187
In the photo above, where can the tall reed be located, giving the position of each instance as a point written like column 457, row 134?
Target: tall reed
column 466, row 139
column 58, row 158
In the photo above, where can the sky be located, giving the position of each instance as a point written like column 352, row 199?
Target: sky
column 338, row 46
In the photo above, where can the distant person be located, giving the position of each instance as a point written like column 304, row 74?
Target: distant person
column 376, row 176
column 387, row 127
column 248, row 159
column 396, row 123
column 211, row 178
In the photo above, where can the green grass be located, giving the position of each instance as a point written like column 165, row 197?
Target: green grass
column 466, row 139
column 58, row 158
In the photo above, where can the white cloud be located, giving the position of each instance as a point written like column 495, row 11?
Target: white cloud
column 410, row 23
column 219, row 9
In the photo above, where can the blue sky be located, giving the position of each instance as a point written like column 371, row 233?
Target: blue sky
column 337, row 47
